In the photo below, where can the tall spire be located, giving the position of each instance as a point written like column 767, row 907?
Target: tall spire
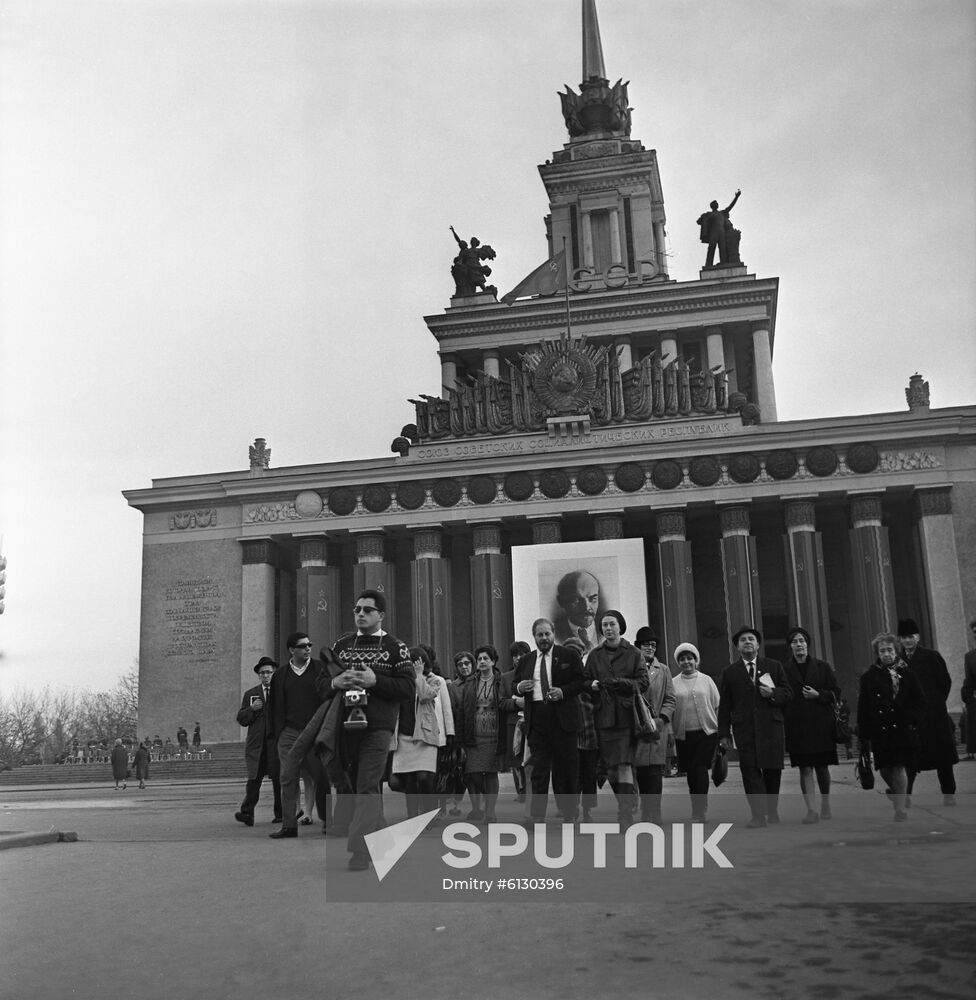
column 592, row 47
column 598, row 109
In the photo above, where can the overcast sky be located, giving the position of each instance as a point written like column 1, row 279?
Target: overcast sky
column 227, row 220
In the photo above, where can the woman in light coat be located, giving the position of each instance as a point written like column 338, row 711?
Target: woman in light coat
column 695, row 724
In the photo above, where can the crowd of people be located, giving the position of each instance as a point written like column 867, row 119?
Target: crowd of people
column 567, row 719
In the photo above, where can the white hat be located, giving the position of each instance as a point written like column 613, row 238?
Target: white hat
column 687, row 647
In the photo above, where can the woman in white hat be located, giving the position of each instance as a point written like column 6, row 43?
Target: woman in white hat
column 695, row 724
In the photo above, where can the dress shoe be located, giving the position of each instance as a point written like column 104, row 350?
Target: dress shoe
column 244, row 818
column 277, row 819
column 756, row 823
column 490, row 818
column 284, row 833
column 900, row 816
column 359, row 862
column 306, row 821
column 811, row 817
column 475, row 816
column 586, row 816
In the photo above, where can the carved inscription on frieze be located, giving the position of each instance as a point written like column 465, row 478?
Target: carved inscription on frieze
column 190, row 609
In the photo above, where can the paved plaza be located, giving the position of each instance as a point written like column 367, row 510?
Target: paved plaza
column 164, row 895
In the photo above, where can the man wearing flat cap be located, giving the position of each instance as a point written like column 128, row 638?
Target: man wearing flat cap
column 938, row 750
column 259, row 750
column 753, row 691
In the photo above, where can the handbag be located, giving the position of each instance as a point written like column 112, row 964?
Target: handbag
column 863, row 772
column 842, row 726
column 645, row 728
column 720, row 766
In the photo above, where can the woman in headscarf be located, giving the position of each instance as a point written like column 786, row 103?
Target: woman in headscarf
column 619, row 675
column 481, row 725
column 809, row 720
column 889, row 710
column 695, row 724
column 650, row 755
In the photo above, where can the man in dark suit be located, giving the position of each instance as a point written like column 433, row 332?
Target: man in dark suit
column 753, row 692
column 549, row 682
column 938, row 749
column 259, row 749
column 969, row 694
column 297, row 690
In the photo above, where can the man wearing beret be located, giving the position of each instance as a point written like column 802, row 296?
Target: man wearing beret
column 259, row 750
column 753, row 691
column 938, row 750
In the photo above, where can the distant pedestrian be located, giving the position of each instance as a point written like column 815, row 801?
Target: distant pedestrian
column 142, row 763
column 260, row 755
column 120, row 763
column 182, row 739
column 196, row 736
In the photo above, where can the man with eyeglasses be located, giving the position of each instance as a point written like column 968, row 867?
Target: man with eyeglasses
column 260, row 755
column 297, row 689
column 371, row 660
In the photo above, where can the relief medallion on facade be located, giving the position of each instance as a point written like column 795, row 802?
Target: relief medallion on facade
column 482, row 489
column 781, row 464
column 308, row 504
column 667, row 475
column 376, row 499
column 591, row 480
column 342, row 501
column 446, row 492
column 519, row 486
column 411, row 496
column 564, row 378
column 822, row 461
column 630, row 477
column 705, row 471
column 862, row 458
column 744, row 468
column 554, row 483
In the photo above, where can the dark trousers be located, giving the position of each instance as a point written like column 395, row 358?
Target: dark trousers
column 554, row 753
column 358, row 803
column 267, row 768
column 762, row 789
column 293, row 766
column 650, row 784
column 589, row 761
column 947, row 780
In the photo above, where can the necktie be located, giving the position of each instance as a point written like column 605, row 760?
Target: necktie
column 265, row 697
column 543, row 678
column 752, row 672
column 582, row 635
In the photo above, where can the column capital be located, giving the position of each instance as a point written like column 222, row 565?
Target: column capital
column 546, row 531
column 608, row 525
column 735, row 521
column 487, row 539
column 313, row 551
column 369, row 547
column 800, row 515
column 258, row 550
column 929, row 502
column 670, row 526
column 427, row 542
column 866, row 510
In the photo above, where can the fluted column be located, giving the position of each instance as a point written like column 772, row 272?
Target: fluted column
column 806, row 581
column 430, row 577
column 625, row 354
column 587, row 239
column 669, row 350
column 616, row 251
column 491, row 590
column 259, row 605
column 676, row 583
column 372, row 572
column 714, row 346
column 764, row 389
column 490, row 363
column 740, row 570
column 448, row 374
column 660, row 249
column 940, row 564
column 874, row 585
column 317, row 583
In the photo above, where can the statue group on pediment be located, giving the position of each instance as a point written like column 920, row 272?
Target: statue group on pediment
column 566, row 379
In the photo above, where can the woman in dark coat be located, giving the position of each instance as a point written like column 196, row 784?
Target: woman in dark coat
column 141, row 762
column 482, row 731
column 619, row 673
column 809, row 719
column 889, row 709
column 120, row 763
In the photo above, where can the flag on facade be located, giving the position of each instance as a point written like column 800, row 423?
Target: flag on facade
column 546, row 279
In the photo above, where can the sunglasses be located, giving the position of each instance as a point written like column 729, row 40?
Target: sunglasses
column 362, row 609
column 303, row 645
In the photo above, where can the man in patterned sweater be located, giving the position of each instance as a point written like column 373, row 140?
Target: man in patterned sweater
column 374, row 661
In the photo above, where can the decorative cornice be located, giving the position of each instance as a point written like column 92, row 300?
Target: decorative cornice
column 369, row 547
column 487, row 539
column 734, row 520
column 866, row 511
column 184, row 519
column 427, row 543
column 670, row 526
column 313, row 552
column 800, row 515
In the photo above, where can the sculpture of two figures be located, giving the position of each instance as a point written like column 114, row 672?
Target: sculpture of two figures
column 468, row 272
column 719, row 233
